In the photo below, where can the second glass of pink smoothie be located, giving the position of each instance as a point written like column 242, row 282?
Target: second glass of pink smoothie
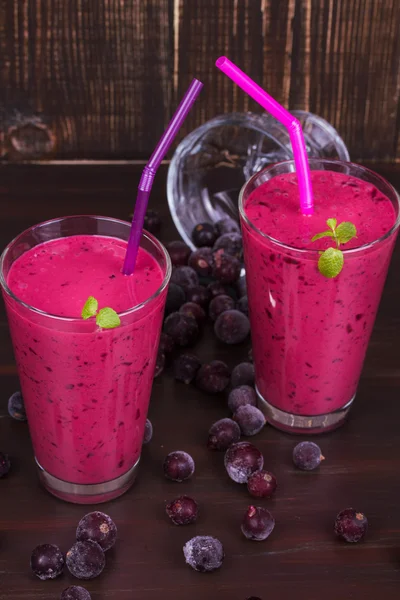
column 310, row 333
column 86, row 389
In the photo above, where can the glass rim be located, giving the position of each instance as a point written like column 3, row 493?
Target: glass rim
column 327, row 161
column 43, row 313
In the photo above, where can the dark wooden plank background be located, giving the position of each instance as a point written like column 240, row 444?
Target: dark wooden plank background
column 107, row 74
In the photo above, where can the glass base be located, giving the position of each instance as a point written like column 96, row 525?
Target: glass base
column 302, row 424
column 95, row 493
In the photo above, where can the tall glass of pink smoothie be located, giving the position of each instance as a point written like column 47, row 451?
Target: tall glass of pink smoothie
column 86, row 388
column 310, row 333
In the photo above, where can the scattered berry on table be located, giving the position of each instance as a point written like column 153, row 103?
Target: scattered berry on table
column 242, row 374
column 183, row 329
column 47, row 561
column 204, row 234
column 185, row 277
column 185, row 367
column 261, row 484
column 166, row 344
column 226, row 267
column 241, row 396
column 97, row 527
column 232, row 327
column 227, row 225
column 148, row 432
column 178, row 466
column 231, row 243
column 16, row 407
column 222, row 434
column 152, row 221
column 182, row 510
column 201, row 260
column 216, row 288
column 198, row 294
column 258, row 523
column 75, row 592
column 5, row 464
column 241, row 460
column 307, row 456
column 175, row 298
column 191, row 309
column 85, row 560
column 250, row 419
column 351, row 525
column 204, row 553
column 213, row 377
column 160, row 363
column 220, row 304
column 179, row 253
column 243, row 305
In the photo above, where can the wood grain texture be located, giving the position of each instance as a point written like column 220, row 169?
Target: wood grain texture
column 108, row 74
column 302, row 559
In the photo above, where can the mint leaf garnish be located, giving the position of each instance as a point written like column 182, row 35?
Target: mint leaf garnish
column 90, row 308
column 331, row 261
column 107, row 318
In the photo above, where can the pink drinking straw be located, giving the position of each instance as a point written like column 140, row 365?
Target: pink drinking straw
column 147, row 178
column 281, row 114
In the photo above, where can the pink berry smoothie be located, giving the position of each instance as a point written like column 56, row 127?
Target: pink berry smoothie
column 310, row 333
column 86, row 389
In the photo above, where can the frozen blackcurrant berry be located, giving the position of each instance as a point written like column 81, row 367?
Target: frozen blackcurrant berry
column 204, row 234
column 351, row 525
column 227, row 225
column 213, row 377
column 5, row 464
column 75, row 592
column 250, row 355
column 204, row 553
column 258, row 523
column 242, row 374
column 232, row 327
column 220, row 304
column 148, row 432
column 160, row 363
column 182, row 510
column 191, row 309
column 201, row 260
column 223, row 434
column 85, row 560
column 97, row 527
column 166, row 344
column 47, row 561
column 261, row 484
column 243, row 305
column 241, row 460
column 183, row 329
column 231, row 243
column 250, row 419
column 179, row 253
column 16, row 407
column 307, row 456
column 178, row 466
column 241, row 396
column 216, row 288
column 175, row 298
column 241, row 287
column 185, row 277
column 185, row 367
column 152, row 221
column 198, row 294
column 226, row 267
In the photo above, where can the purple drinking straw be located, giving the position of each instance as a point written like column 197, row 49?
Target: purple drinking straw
column 147, row 178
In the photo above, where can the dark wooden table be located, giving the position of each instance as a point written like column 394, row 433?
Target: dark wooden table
column 302, row 559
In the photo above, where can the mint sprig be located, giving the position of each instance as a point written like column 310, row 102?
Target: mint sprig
column 106, row 317
column 331, row 261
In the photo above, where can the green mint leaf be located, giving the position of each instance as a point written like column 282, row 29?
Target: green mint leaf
column 332, row 224
column 345, row 232
column 90, row 308
column 107, row 318
column 331, row 262
column 318, row 236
